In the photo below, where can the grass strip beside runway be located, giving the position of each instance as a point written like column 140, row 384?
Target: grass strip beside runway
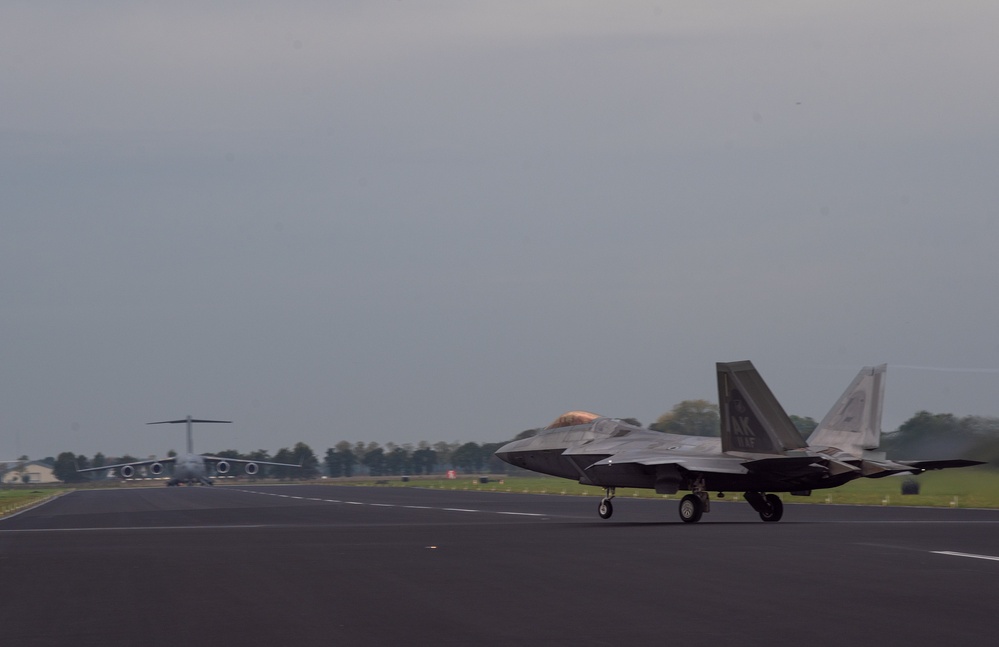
column 12, row 500
column 962, row 488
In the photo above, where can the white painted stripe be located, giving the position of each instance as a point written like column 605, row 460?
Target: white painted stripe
column 953, row 554
column 112, row 528
column 523, row 514
column 409, row 507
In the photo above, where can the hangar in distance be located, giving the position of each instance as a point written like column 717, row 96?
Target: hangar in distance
column 190, row 467
column 760, row 451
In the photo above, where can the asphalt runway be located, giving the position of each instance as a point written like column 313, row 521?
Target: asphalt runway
column 326, row 565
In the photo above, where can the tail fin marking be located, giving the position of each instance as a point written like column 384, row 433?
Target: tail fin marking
column 752, row 420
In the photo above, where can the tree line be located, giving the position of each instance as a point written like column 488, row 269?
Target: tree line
column 925, row 436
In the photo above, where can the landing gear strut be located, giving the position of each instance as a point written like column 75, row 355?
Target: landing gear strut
column 770, row 507
column 606, row 509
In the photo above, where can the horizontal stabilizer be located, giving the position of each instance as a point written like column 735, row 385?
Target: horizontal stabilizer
column 942, row 464
column 175, row 422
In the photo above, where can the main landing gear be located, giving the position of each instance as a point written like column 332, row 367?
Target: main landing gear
column 770, row 507
column 692, row 506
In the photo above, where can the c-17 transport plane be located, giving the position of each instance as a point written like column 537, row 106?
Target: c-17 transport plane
column 760, row 451
column 191, row 467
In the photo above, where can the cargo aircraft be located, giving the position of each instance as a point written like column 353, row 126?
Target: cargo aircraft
column 760, row 451
column 191, row 467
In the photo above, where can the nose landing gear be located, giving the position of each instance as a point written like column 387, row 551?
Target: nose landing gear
column 606, row 509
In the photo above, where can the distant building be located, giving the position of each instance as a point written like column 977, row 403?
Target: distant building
column 26, row 472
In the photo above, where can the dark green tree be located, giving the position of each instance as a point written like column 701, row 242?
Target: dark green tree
column 527, row 433
column 930, row 436
column 65, row 468
column 444, row 451
column 333, row 462
column 374, row 460
column 397, row 461
column 303, row 455
column 347, row 457
column 690, row 417
column 424, row 460
column 468, row 457
column 283, row 455
column 492, row 463
column 805, row 426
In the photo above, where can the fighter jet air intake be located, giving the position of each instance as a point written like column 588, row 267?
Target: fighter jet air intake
column 759, row 452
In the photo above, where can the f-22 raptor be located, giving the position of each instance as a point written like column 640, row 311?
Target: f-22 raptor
column 190, row 467
column 760, row 451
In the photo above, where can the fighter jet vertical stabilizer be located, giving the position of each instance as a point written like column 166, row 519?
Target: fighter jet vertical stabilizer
column 854, row 423
column 752, row 420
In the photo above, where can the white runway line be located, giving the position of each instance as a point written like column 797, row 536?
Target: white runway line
column 394, row 505
column 524, row 514
column 973, row 556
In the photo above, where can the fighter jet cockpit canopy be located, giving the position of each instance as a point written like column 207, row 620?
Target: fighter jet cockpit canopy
column 572, row 419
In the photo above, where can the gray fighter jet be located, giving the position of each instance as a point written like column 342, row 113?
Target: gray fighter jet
column 759, row 452
column 191, row 467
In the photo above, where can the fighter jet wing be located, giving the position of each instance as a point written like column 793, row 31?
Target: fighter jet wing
column 789, row 466
column 719, row 464
column 777, row 465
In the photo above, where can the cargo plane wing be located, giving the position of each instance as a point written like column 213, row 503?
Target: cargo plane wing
column 760, row 451
column 190, row 467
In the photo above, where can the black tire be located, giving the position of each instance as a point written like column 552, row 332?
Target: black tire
column 606, row 509
column 776, row 509
column 691, row 508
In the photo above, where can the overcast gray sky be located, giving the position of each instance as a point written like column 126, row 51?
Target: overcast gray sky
column 405, row 221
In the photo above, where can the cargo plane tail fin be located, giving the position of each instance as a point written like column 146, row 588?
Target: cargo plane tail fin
column 752, row 421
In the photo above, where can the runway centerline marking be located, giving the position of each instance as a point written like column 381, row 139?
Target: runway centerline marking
column 524, row 514
column 972, row 555
column 397, row 505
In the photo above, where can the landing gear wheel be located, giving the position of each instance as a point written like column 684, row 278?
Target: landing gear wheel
column 775, row 508
column 691, row 508
column 606, row 509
